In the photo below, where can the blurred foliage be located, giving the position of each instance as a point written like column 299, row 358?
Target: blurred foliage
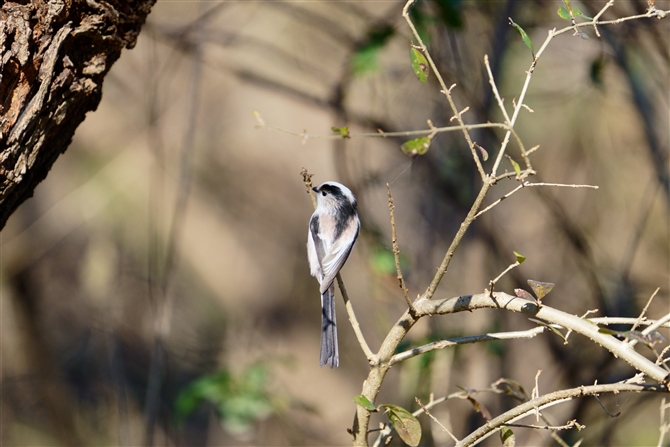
column 239, row 399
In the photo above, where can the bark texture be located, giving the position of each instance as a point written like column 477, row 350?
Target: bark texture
column 54, row 55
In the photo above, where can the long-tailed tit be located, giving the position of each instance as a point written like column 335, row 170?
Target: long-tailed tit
column 333, row 229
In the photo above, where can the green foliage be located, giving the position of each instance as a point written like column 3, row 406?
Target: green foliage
column 417, row 146
column 515, row 165
column 365, row 59
column 364, row 402
column 507, row 437
column 344, row 131
column 419, row 64
column 239, row 400
column 405, row 424
column 519, row 257
column 524, row 36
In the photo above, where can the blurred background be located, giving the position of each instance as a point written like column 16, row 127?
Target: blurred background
column 156, row 291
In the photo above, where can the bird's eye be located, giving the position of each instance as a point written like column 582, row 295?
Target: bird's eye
column 324, row 193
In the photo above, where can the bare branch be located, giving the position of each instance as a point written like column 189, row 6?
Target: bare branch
column 441, row 344
column 546, row 401
column 548, row 314
column 446, row 91
column 425, row 410
column 396, row 252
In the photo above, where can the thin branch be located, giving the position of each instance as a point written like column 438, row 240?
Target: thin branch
column 493, row 282
column 441, row 344
column 354, row 322
column 600, row 13
column 644, row 311
column 546, row 313
column 504, row 111
column 261, row 124
column 446, row 91
column 530, row 184
column 665, row 426
column 425, row 410
column 546, row 401
column 606, row 321
column 396, row 252
column 570, row 424
column 472, row 215
column 655, row 325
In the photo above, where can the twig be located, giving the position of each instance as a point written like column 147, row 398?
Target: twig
column 354, row 322
column 600, row 13
column 546, row 313
column 441, row 344
column 570, row 424
column 472, row 215
column 425, row 410
column 546, row 401
column 644, row 310
column 535, row 393
column 493, row 282
column 624, row 320
column 530, row 184
column 446, row 91
column 261, row 124
column 665, row 426
column 396, row 253
column 524, row 154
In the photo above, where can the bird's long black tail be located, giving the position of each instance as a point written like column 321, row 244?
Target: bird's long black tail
column 329, row 351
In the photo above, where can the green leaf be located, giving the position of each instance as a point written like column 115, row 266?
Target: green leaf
column 515, row 165
column 344, row 131
column 507, row 437
column 364, row 402
column 541, row 289
column 405, row 424
column 578, row 13
column 604, row 330
column 551, row 328
column 563, row 13
column 419, row 64
column 417, row 146
column 519, row 257
column 524, row 36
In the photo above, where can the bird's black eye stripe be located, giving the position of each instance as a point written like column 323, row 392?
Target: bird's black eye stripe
column 324, row 193
column 330, row 189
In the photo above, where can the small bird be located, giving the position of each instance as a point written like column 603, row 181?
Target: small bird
column 333, row 229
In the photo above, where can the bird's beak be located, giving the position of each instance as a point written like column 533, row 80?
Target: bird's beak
column 315, row 190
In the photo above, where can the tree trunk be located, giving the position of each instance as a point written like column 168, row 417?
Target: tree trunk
column 54, row 55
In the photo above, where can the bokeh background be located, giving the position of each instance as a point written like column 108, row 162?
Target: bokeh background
column 155, row 291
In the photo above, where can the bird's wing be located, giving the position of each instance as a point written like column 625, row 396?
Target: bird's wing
column 316, row 249
column 337, row 254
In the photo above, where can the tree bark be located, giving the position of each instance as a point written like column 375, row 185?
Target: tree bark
column 54, row 55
